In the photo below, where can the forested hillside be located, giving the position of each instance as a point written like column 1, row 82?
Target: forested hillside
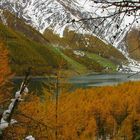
column 85, row 114
column 28, row 48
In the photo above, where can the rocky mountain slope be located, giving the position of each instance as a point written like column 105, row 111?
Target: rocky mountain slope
column 45, row 53
column 133, row 43
column 56, row 14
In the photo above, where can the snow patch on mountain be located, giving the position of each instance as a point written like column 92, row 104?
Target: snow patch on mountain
column 2, row 17
column 55, row 14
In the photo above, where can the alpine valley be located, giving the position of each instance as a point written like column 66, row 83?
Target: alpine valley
column 68, row 72
column 40, row 34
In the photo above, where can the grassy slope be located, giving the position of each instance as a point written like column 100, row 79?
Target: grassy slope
column 25, row 52
column 102, row 61
column 98, row 56
column 73, row 64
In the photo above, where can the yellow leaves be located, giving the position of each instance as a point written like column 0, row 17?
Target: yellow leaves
column 4, row 64
column 33, row 107
column 83, row 114
column 106, row 108
column 4, row 73
column 91, row 126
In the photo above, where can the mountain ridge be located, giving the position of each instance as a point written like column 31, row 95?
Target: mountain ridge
column 26, row 48
column 59, row 15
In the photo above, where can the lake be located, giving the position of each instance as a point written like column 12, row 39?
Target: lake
column 82, row 81
column 103, row 79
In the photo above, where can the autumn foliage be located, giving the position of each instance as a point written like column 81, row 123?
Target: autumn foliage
column 5, row 73
column 85, row 114
column 4, row 64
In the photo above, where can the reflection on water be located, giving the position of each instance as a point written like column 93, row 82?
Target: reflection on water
column 36, row 84
column 90, row 80
column 103, row 79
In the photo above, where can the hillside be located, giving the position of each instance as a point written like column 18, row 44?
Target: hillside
column 87, row 49
column 133, row 43
column 60, row 15
column 27, row 47
column 46, row 53
column 25, row 52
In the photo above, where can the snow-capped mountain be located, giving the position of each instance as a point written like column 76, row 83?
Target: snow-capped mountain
column 56, row 14
column 47, row 13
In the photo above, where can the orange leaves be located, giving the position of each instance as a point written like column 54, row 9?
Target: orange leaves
column 103, row 111
column 4, row 64
column 84, row 114
column 4, row 72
